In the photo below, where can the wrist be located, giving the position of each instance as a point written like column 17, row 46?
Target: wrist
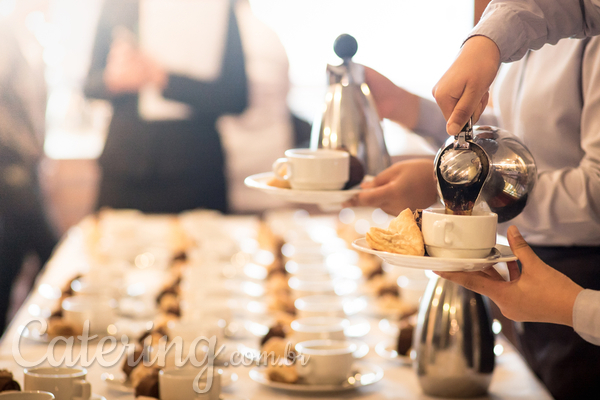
column 483, row 48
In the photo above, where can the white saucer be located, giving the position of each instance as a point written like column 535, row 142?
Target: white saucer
column 364, row 374
column 120, row 383
column 358, row 327
column 95, row 396
column 255, row 354
column 499, row 254
column 387, row 350
column 259, row 181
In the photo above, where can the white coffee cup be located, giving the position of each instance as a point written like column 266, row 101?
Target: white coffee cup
column 191, row 331
column 63, row 383
column 179, row 384
column 27, row 395
column 98, row 310
column 319, row 328
column 320, row 306
column 320, row 169
column 329, row 361
column 458, row 236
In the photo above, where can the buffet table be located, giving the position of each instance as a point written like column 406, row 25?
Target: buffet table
column 511, row 379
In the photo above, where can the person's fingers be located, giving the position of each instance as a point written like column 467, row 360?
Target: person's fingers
column 368, row 184
column 463, row 111
column 373, row 197
column 481, row 107
column 478, row 282
column 385, row 176
column 445, row 101
column 513, row 270
column 520, row 248
column 493, row 274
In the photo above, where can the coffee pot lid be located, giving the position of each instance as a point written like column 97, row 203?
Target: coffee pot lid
column 345, row 47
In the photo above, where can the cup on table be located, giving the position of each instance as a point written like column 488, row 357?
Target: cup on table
column 63, row 383
column 320, row 306
column 26, row 395
column 179, row 384
column 320, row 169
column 99, row 310
column 329, row 362
column 458, row 236
column 319, row 328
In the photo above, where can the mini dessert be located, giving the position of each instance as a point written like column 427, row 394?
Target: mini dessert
column 60, row 327
column 277, row 283
column 357, row 172
column 162, row 321
column 276, row 330
column 281, row 301
column 169, row 304
column 279, row 183
column 405, row 338
column 370, row 265
column 403, row 236
column 285, row 320
column 145, row 382
column 283, row 371
column 133, row 360
column 152, row 337
column 7, row 382
column 277, row 347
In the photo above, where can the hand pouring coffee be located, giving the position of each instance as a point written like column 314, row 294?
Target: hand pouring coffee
column 488, row 164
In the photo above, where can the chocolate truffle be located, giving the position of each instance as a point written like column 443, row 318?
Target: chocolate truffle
column 405, row 338
column 7, row 382
column 274, row 331
column 148, row 385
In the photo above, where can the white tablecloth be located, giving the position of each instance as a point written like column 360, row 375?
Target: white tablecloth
column 511, row 379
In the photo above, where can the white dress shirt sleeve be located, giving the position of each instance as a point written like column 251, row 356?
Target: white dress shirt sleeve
column 518, row 25
column 586, row 315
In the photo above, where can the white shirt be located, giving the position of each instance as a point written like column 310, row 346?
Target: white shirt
column 519, row 25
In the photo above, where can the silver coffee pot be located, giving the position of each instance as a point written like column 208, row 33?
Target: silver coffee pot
column 350, row 120
column 454, row 342
column 485, row 164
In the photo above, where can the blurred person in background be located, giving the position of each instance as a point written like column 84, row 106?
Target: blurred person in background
column 171, row 70
column 24, row 227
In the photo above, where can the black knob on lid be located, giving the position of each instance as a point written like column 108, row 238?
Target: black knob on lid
column 345, row 46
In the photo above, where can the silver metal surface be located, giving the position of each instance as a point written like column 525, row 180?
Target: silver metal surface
column 454, row 342
column 350, row 120
column 460, row 166
column 506, row 171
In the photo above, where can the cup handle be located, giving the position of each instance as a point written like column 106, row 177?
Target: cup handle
column 442, row 232
column 83, row 390
column 278, row 169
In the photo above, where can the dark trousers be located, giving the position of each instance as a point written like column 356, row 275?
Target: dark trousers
column 20, row 234
column 568, row 365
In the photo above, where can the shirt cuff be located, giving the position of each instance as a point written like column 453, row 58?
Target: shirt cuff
column 431, row 122
column 586, row 315
column 505, row 28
